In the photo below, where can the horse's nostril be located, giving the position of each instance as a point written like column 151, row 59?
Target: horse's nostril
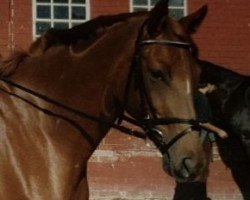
column 185, row 169
column 187, row 166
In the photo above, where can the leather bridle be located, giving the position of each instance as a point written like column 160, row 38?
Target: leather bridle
column 149, row 123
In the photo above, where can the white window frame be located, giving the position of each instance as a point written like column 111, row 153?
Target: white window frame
column 149, row 7
column 52, row 20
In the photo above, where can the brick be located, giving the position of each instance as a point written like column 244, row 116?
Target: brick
column 127, row 168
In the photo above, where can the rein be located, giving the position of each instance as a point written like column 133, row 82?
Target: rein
column 70, row 109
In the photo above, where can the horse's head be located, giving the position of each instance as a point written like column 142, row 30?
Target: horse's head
column 220, row 76
column 165, row 74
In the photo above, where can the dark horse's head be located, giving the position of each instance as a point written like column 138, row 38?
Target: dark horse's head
column 163, row 93
column 218, row 75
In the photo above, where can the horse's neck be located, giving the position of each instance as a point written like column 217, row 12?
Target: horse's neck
column 88, row 80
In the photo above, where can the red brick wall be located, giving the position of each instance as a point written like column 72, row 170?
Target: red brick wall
column 22, row 28
column 4, row 23
column 125, row 167
column 16, row 25
column 104, row 7
column 224, row 37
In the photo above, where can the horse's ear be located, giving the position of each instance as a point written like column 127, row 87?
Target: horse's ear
column 157, row 18
column 193, row 21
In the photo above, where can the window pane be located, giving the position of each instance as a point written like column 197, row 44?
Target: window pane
column 176, row 2
column 41, row 27
column 43, row 12
column 43, row 1
column 61, row 25
column 171, row 2
column 176, row 13
column 79, row 1
column 139, row 9
column 61, row 1
column 61, row 12
column 140, row 2
column 78, row 13
column 153, row 2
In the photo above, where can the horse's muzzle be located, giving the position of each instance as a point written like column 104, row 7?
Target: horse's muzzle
column 185, row 166
column 185, row 169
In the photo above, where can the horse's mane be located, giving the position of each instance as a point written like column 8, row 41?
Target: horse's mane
column 216, row 74
column 220, row 70
column 88, row 31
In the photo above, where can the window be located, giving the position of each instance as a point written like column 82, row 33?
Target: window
column 177, row 8
column 58, row 14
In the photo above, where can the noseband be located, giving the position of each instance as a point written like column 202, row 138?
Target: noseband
column 149, row 123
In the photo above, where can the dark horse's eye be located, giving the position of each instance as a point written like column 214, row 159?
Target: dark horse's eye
column 157, row 75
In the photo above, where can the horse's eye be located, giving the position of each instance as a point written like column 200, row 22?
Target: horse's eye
column 157, row 75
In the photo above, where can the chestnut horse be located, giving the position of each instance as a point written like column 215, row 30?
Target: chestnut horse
column 59, row 99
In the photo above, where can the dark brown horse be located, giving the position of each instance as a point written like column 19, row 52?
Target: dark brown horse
column 59, row 99
column 230, row 104
column 231, row 109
